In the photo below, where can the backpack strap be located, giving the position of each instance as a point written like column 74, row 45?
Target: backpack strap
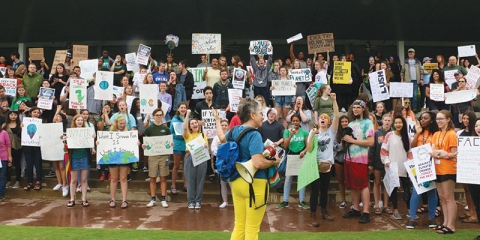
column 245, row 131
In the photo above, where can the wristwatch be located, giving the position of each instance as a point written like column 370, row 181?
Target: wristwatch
column 438, row 155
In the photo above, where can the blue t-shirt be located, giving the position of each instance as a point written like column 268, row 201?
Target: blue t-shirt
column 160, row 77
column 250, row 145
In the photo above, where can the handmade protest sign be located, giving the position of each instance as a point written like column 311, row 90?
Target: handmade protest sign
column 437, row 92
column 424, row 166
column 88, row 68
column 118, row 91
column 239, row 77
column 10, row 85
column 45, row 100
column 165, row 107
column 294, row 38
column 342, row 72
column 412, row 174
column 129, row 102
column 51, row 144
column 3, row 71
column 60, row 56
column 300, row 75
column 401, row 89
column 148, row 98
column 234, row 96
column 320, row 43
column 210, row 126
column 391, row 180
column 410, row 128
column 468, row 160
column 263, row 47
column 132, row 64
column 312, row 93
column 460, row 96
column 35, row 53
column 378, row 84
column 80, row 138
column 178, row 128
column 206, row 43
column 103, row 85
column 143, row 54
column 198, row 150
column 30, row 131
column 466, row 51
column 472, row 77
column 293, row 165
column 450, row 77
column 117, row 147
column 156, row 146
column 200, row 84
column 78, row 94
column 307, row 173
column 79, row 53
column 283, row 88
column 428, row 67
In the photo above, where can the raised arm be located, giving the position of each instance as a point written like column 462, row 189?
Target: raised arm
column 185, row 124
column 336, row 112
column 292, row 54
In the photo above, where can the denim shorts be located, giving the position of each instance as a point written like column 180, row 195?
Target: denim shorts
column 283, row 101
column 178, row 153
column 80, row 163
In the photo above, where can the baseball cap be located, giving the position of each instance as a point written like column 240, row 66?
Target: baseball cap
column 456, row 73
column 426, row 59
column 411, row 50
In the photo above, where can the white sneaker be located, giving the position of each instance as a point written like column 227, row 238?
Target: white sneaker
column 343, row 110
column 57, row 187
column 361, row 204
column 197, row 205
column 164, row 204
column 223, row 205
column 79, row 188
column 152, row 203
column 191, row 206
column 380, row 204
column 65, row 191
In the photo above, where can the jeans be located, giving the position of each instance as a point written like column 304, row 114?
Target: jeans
column 288, row 186
column 195, row 179
column 432, row 203
column 33, row 158
column 3, row 178
column 415, row 99
column 320, row 185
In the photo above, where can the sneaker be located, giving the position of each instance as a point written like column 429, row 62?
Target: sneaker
column 410, row 225
column 416, row 216
column 152, row 203
column 223, row 205
column 65, row 191
column 135, row 169
column 432, row 223
column 51, row 174
column 79, row 188
column 16, row 185
column 397, row 216
column 164, row 204
column 343, row 110
column 283, row 205
column 22, row 175
column 145, row 169
column 102, row 177
column 303, row 205
column 361, row 204
column 57, row 187
column 129, row 178
column 198, row 205
column 352, row 214
column 365, row 218
column 352, row 207
column 191, row 206
column 343, row 205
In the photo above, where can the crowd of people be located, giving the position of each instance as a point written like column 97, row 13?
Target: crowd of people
column 351, row 138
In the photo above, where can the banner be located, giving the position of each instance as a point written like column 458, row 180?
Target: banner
column 472, row 77
column 132, row 64
column 35, row 54
column 30, row 133
column 401, row 89
column 378, row 84
column 45, row 100
column 209, row 128
column 117, row 147
column 103, row 85
column 165, row 107
column 198, row 150
column 78, row 94
column 143, row 54
column 342, row 72
column 450, row 77
column 391, row 180
column 468, row 160
column 157, row 146
column 206, row 43
column 263, row 47
column 51, row 144
column 79, row 53
column 294, row 38
column 60, row 56
column 466, row 51
column 234, row 96
column 428, row 67
column 419, row 187
column 10, row 85
column 320, row 43
column 460, row 96
column 200, row 84
column 437, row 92
column 300, row 75
column 312, row 93
column 80, row 138
column 293, row 165
column 148, row 98
column 424, row 166
column 239, row 78
column 88, row 68
column 283, row 88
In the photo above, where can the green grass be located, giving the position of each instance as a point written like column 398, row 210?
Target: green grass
column 22, row 232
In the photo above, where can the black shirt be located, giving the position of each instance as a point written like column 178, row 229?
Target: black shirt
column 272, row 131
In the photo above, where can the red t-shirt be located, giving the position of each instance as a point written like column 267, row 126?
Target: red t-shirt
column 235, row 121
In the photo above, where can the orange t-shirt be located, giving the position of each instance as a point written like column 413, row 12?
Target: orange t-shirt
column 424, row 138
column 445, row 141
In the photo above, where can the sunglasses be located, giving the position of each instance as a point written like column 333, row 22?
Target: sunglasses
column 407, row 102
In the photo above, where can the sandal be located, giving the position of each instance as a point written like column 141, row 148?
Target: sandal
column 28, row 187
column 378, row 211
column 112, row 204
column 38, row 186
column 464, row 216
column 422, row 210
column 387, row 210
column 438, row 212
column 124, row 204
column 85, row 203
column 470, row 220
column 173, row 190
column 71, row 203
column 445, row 230
column 439, row 227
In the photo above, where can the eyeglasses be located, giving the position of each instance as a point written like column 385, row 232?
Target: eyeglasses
column 461, row 81
column 440, row 119
column 407, row 102
column 158, row 115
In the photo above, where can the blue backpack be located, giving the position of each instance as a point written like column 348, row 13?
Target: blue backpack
column 228, row 154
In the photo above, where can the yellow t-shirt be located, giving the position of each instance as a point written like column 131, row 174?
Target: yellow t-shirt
column 191, row 136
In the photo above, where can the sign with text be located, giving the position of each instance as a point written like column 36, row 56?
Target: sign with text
column 78, row 94
column 293, row 165
column 80, row 138
column 165, row 107
column 132, row 64
column 35, row 54
column 148, row 98
column 424, row 166
column 239, row 78
column 378, row 84
column 45, row 100
column 391, row 180
column 437, row 92
column 143, row 54
column 460, row 96
column 103, row 85
column 200, row 84
column 209, row 128
column 312, row 93
column 234, row 96
column 118, row 91
column 472, row 77
column 157, row 146
column 10, row 85
column 198, row 150
column 51, row 144
column 468, row 160
column 117, row 147
column 80, row 53
column 450, row 77
column 206, row 43
column 320, row 43
column 401, row 89
column 300, row 75
column 342, row 72
column 412, row 174
column 60, row 56
column 294, row 38
column 263, row 47
column 308, row 171
column 88, row 68
column 283, row 88
column 30, row 131
column 428, row 67
column 466, row 51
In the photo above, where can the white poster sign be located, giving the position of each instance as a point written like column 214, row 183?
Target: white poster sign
column 103, row 85
column 157, row 146
column 198, row 150
column 300, row 75
column 311, row 94
column 200, row 84
column 293, row 165
column 132, row 64
column 165, row 107
column 46, row 96
column 210, row 126
column 30, row 131
column 412, row 174
column 178, row 128
column 80, row 138
column 239, row 78
column 401, row 89
column 117, row 147
column 294, row 38
column 78, row 94
column 468, row 160
column 424, row 163
column 450, row 77
column 466, row 51
column 410, row 128
column 143, row 54
column 88, row 68
column 234, row 96
column 118, row 91
column 460, row 96
column 206, row 43
column 378, row 84
column 391, row 180
column 472, row 77
column 437, row 92
column 10, row 85
column 283, row 88
column 51, row 144
column 263, row 47
column 148, row 98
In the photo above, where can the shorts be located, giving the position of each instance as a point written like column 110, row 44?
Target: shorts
column 79, row 163
column 446, row 177
column 283, row 101
column 356, row 175
column 158, row 163
column 119, row 165
column 178, row 153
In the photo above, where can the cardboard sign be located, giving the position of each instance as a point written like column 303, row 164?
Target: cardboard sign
column 320, row 43
column 401, row 89
column 412, row 174
column 283, row 88
column 198, row 150
column 200, row 84
column 468, row 160
column 239, row 78
column 460, row 96
column 158, row 146
column 472, row 77
column 10, row 85
column 143, row 54
column 437, row 92
column 209, row 128
column 35, row 54
column 78, row 94
column 80, row 138
column 428, row 67
column 103, row 85
column 261, row 47
column 80, row 53
column 378, row 84
column 88, row 68
column 117, row 147
column 206, row 43
column 425, row 168
column 234, row 96
column 293, row 165
column 466, row 51
column 300, row 75
column 51, row 144
column 342, row 72
column 60, row 56
column 45, row 100
column 294, row 38
column 30, row 131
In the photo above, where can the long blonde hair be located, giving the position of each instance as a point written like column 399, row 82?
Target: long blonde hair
column 114, row 127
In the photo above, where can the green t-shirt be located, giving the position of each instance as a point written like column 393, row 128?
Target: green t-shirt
column 79, row 153
column 297, row 142
column 323, row 106
column 154, row 131
column 16, row 103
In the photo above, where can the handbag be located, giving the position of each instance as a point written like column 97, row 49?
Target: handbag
column 324, row 166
